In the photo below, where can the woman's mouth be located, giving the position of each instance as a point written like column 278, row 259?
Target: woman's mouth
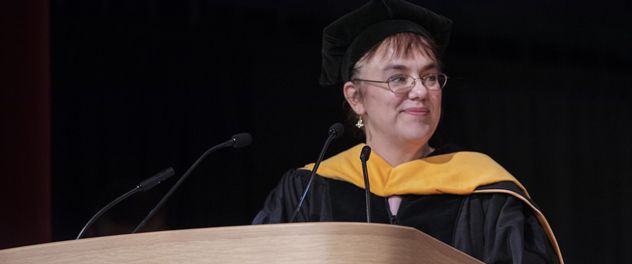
column 417, row 111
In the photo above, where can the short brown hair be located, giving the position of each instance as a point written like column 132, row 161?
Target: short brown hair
column 404, row 46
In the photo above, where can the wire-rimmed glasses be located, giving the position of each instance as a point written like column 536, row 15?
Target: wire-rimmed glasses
column 402, row 83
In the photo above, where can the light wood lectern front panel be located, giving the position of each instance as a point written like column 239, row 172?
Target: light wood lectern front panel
column 279, row 243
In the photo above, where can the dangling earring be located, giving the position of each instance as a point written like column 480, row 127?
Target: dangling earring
column 360, row 123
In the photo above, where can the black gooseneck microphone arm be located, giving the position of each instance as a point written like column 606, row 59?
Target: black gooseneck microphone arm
column 364, row 156
column 143, row 186
column 335, row 131
column 237, row 141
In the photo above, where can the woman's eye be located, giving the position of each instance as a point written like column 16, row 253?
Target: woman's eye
column 431, row 78
column 397, row 79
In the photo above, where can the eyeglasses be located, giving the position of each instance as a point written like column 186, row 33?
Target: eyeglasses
column 401, row 83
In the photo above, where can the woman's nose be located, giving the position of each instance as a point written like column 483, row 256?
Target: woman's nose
column 418, row 90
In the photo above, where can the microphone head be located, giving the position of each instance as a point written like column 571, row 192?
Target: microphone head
column 337, row 129
column 365, row 153
column 241, row 140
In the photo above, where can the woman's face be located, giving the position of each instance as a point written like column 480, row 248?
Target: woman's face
column 407, row 118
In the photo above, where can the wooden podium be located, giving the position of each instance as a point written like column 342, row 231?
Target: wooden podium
column 334, row 242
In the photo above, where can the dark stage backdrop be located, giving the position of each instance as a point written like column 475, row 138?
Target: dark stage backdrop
column 139, row 86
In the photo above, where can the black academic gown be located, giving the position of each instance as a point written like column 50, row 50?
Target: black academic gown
column 493, row 227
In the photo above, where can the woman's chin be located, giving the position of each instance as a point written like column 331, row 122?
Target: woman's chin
column 418, row 133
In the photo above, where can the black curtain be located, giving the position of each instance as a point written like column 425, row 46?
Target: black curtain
column 25, row 138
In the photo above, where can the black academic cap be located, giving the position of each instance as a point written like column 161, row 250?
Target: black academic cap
column 347, row 39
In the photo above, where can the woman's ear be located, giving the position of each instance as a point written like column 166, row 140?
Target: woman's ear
column 354, row 97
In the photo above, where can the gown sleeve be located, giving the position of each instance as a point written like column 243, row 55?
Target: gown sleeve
column 500, row 228
column 282, row 201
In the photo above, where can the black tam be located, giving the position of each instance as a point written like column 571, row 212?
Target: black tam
column 347, row 39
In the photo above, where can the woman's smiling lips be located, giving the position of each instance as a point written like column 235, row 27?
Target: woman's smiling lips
column 416, row 111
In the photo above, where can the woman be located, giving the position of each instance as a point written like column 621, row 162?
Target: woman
column 387, row 55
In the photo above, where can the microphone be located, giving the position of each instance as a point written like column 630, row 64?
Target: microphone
column 236, row 141
column 142, row 186
column 240, row 140
column 335, row 132
column 364, row 156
